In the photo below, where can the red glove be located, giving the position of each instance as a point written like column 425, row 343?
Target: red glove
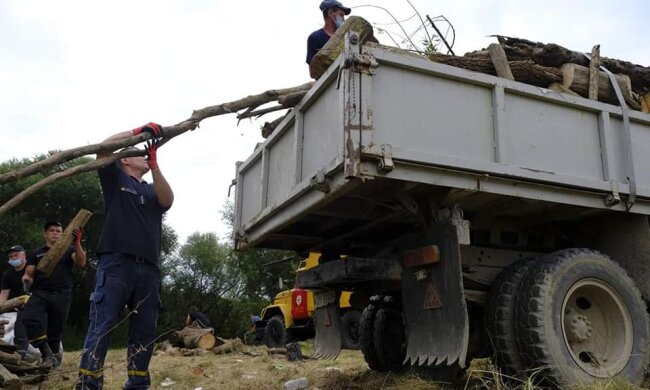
column 152, row 128
column 78, row 234
column 152, row 149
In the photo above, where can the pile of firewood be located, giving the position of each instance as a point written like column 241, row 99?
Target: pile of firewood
column 15, row 373
column 193, row 341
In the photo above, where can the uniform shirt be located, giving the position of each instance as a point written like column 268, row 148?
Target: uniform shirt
column 132, row 215
column 200, row 318
column 12, row 280
column 315, row 42
column 61, row 277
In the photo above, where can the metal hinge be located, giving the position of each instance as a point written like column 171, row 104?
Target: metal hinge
column 386, row 162
column 614, row 198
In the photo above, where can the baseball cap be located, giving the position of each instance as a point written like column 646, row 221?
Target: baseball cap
column 52, row 223
column 16, row 248
column 327, row 4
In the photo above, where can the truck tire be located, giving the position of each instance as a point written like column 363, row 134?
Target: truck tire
column 582, row 320
column 500, row 312
column 350, row 329
column 275, row 333
column 367, row 337
column 390, row 339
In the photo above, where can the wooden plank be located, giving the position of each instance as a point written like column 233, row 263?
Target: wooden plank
column 594, row 69
column 52, row 257
column 500, row 62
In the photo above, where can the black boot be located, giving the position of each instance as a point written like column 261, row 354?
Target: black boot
column 48, row 359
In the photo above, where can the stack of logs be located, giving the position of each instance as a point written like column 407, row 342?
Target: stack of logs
column 559, row 69
column 15, row 373
column 193, row 341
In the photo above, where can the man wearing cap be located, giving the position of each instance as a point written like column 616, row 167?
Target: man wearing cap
column 46, row 311
column 128, row 270
column 12, row 287
column 333, row 15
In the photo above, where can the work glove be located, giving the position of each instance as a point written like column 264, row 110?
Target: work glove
column 152, row 128
column 78, row 234
column 152, row 149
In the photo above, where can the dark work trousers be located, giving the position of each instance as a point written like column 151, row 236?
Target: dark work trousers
column 21, row 340
column 121, row 280
column 45, row 315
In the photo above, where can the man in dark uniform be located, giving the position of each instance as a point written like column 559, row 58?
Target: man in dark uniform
column 12, row 287
column 333, row 15
column 128, row 269
column 197, row 319
column 46, row 311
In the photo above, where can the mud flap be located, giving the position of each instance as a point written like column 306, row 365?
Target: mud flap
column 327, row 320
column 435, row 313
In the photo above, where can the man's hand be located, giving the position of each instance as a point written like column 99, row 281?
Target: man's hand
column 78, row 234
column 152, row 128
column 152, row 149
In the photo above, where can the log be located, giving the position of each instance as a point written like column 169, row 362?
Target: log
column 228, row 346
column 12, row 304
column 594, row 72
column 191, row 338
column 524, row 71
column 555, row 55
column 500, row 61
column 561, row 88
column 333, row 48
column 645, row 102
column 54, row 255
column 268, row 127
column 576, row 78
column 9, row 380
column 10, row 358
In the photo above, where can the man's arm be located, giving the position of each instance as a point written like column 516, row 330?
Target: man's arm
column 4, row 294
column 160, row 185
column 152, row 128
column 79, row 255
column 28, row 277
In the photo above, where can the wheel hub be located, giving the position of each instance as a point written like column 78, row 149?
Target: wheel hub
column 581, row 328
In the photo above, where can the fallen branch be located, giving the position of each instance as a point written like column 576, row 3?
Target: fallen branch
column 106, row 147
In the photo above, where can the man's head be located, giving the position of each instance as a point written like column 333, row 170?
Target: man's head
column 333, row 10
column 16, row 256
column 136, row 166
column 52, row 232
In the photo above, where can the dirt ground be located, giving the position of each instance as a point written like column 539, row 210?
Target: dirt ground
column 239, row 371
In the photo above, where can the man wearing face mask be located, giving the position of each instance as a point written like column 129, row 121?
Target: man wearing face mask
column 333, row 15
column 12, row 287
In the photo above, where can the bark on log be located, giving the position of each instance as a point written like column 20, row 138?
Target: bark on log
column 645, row 102
column 9, row 380
column 594, row 72
column 524, row 71
column 268, row 127
column 555, row 55
column 11, row 305
column 6, row 347
column 54, row 255
column 228, row 346
column 336, row 44
column 576, row 78
column 10, row 358
column 191, row 338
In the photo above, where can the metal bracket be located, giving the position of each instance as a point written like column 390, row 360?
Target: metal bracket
column 386, row 162
column 614, row 198
column 320, row 182
column 455, row 215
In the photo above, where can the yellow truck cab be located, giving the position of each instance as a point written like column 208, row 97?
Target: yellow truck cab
column 290, row 316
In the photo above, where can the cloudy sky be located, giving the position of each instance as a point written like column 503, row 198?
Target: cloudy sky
column 74, row 72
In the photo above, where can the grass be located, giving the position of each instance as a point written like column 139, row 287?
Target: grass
column 238, row 371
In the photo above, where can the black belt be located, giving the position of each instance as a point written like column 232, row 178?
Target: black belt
column 136, row 258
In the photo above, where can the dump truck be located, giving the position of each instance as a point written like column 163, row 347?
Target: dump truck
column 291, row 315
column 475, row 211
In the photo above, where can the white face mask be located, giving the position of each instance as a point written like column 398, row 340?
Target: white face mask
column 14, row 262
column 338, row 21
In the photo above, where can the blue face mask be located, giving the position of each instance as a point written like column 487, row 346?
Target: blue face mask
column 15, row 262
column 338, row 21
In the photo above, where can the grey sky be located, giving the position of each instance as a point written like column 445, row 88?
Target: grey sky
column 74, row 72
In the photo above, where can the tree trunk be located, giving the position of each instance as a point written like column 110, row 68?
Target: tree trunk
column 576, row 78
column 524, row 71
column 191, row 338
column 54, row 255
